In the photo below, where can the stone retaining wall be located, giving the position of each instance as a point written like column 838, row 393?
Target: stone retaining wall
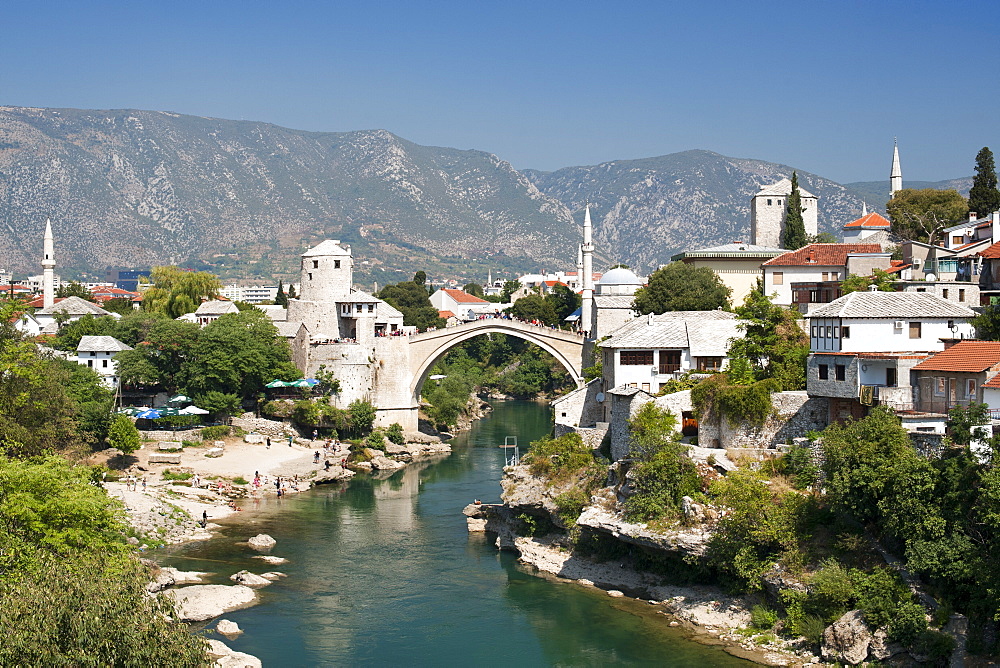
column 249, row 423
column 158, row 435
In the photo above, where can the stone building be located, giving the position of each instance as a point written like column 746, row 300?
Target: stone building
column 767, row 213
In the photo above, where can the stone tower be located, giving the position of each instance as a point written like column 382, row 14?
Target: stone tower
column 587, row 251
column 896, row 174
column 767, row 213
column 48, row 267
column 326, row 279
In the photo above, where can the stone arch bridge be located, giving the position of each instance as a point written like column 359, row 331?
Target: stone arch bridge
column 399, row 393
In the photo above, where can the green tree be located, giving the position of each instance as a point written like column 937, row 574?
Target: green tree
column 663, row 472
column 682, row 287
column 420, row 278
column 984, row 197
column 175, row 292
column 564, row 301
column 119, row 305
column 919, row 215
column 534, row 307
column 793, row 235
column 123, row 435
column 880, row 279
column 74, row 289
column 987, row 323
column 69, row 335
column 508, row 289
column 218, row 403
column 412, row 301
column 362, row 416
column 774, row 344
column 281, row 299
column 237, row 354
column 291, row 291
column 474, row 289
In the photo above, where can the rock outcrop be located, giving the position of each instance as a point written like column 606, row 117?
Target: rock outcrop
column 225, row 657
column 847, row 640
column 249, row 579
column 198, row 603
column 262, row 542
column 268, row 559
column 691, row 541
column 228, row 628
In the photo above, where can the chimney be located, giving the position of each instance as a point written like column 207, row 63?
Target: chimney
column 811, row 258
column 972, row 216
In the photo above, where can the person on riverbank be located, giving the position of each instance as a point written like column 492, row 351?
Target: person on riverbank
column 268, row 441
column 289, row 440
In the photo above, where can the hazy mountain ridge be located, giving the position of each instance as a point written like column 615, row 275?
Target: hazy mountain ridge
column 243, row 198
column 140, row 187
column 647, row 209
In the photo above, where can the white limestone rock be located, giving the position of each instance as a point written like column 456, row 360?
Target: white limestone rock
column 383, row 463
column 614, row 593
column 198, row 603
column 273, row 561
column 262, row 542
column 225, row 657
column 249, row 579
column 847, row 639
column 228, row 628
column 273, row 575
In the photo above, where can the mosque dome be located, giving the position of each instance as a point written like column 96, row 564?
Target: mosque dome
column 620, row 276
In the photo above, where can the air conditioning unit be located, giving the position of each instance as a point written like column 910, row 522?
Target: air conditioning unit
column 917, row 263
column 900, row 324
column 654, row 369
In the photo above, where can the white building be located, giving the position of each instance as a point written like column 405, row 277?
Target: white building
column 251, row 294
column 864, row 345
column 72, row 308
column 648, row 351
column 461, row 304
column 98, row 353
column 817, row 263
column 212, row 310
column 768, row 209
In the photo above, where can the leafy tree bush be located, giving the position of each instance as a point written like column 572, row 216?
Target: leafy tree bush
column 773, row 344
column 763, row 619
column 413, row 302
column 793, row 235
column 984, row 197
column 175, row 292
column 570, row 504
column 682, row 287
column 919, row 215
column 375, row 440
column 878, row 278
column 123, row 435
column 215, row 433
column 362, row 416
column 395, row 433
column 558, row 459
column 738, row 403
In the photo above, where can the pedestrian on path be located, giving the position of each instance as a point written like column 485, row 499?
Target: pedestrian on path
column 268, row 442
column 289, row 440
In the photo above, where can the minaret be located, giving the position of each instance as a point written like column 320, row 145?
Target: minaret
column 48, row 267
column 587, row 251
column 896, row 176
column 864, row 208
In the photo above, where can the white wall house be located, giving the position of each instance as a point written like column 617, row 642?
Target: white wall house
column 463, row 305
column 817, row 263
column 647, row 352
column 73, row 308
column 98, row 352
column 210, row 311
column 886, row 322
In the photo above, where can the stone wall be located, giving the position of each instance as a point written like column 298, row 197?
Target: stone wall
column 249, row 423
column 579, row 408
column 795, row 414
column 161, row 435
column 392, row 380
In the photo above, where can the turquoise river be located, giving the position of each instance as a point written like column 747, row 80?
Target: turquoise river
column 382, row 572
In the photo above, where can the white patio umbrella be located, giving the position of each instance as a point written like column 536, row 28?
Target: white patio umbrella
column 194, row 410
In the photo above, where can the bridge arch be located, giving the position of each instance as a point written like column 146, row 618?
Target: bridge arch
column 427, row 348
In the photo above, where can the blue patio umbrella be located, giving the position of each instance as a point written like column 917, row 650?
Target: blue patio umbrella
column 149, row 415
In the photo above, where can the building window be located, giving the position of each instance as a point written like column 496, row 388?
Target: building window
column 957, row 239
column 336, row 264
column 104, row 363
column 709, row 364
column 310, row 276
column 769, row 202
column 814, row 334
column 841, row 371
column 944, row 293
column 940, row 384
column 670, row 361
column 829, row 331
column 315, row 264
column 961, row 294
column 824, row 372
column 636, row 357
column 826, row 276
column 645, row 387
column 90, row 363
column 915, row 330
column 890, row 377
column 836, row 332
column 970, row 388
column 371, row 308
column 845, row 332
column 778, row 278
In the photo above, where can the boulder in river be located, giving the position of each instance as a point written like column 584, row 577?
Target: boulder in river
column 847, row 639
column 249, row 579
column 200, row 602
column 225, row 657
column 228, row 628
column 268, row 559
column 262, row 542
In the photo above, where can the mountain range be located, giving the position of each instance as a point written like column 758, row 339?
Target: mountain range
column 243, row 199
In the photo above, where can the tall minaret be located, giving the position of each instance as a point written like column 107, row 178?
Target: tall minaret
column 587, row 250
column 48, row 265
column 896, row 176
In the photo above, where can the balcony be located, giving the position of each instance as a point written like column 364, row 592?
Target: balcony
column 669, row 368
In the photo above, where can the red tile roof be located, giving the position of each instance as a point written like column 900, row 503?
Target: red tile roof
column 993, row 382
column 991, row 253
column 445, row 314
column 965, row 356
column 871, row 220
column 463, row 297
column 827, row 255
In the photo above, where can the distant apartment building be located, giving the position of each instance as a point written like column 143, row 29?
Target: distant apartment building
column 251, row 294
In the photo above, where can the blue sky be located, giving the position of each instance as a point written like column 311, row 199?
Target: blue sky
column 822, row 86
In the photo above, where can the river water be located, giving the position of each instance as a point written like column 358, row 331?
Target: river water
column 384, row 572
